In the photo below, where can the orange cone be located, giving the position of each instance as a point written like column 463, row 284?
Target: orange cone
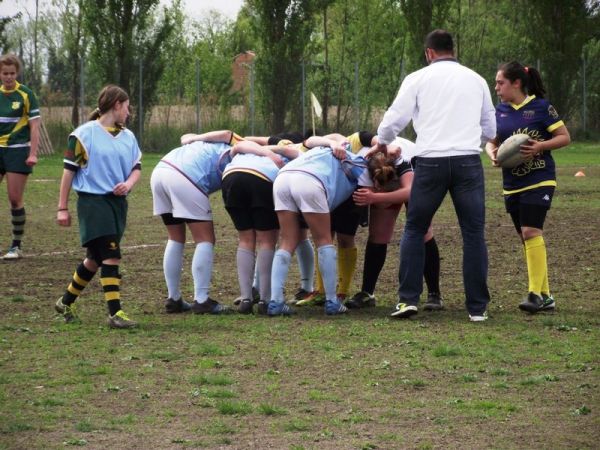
column 580, row 174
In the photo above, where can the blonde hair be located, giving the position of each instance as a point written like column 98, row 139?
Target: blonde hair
column 383, row 172
column 108, row 97
column 10, row 59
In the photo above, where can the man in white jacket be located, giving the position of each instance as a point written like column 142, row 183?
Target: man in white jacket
column 452, row 112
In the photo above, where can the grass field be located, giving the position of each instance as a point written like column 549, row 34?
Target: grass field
column 363, row 381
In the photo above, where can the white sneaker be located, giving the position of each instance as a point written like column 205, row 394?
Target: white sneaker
column 479, row 318
column 13, row 253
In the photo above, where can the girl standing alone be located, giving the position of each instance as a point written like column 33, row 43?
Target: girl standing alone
column 529, row 187
column 102, row 164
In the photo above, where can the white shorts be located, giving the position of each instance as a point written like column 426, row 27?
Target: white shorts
column 295, row 191
column 174, row 193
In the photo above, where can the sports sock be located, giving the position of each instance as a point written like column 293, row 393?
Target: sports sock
column 255, row 280
column 172, row 265
column 535, row 251
column 346, row 265
column 245, row 267
column 202, row 264
column 305, row 254
column 328, row 268
column 81, row 278
column 279, row 272
column 319, row 276
column 431, row 271
column 18, row 226
column 264, row 264
column 374, row 260
column 111, row 281
column 545, row 284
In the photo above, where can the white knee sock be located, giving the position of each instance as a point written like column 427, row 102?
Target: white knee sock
column 328, row 268
column 264, row 264
column 172, row 265
column 245, row 269
column 281, row 265
column 202, row 265
column 305, row 254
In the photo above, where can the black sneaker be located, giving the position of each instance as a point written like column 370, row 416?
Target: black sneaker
column 176, row 306
column 549, row 304
column 210, row 306
column 255, row 297
column 360, row 300
column 262, row 308
column 532, row 304
column 245, row 306
column 434, row 302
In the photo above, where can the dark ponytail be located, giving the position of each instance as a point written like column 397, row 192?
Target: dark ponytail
column 531, row 80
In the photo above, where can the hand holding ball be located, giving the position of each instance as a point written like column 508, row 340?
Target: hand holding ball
column 509, row 153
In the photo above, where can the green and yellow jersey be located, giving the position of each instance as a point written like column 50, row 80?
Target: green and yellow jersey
column 17, row 107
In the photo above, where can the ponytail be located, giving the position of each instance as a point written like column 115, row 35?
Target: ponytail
column 531, row 81
column 108, row 97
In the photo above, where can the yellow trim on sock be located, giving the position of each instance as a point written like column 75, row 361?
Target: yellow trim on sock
column 537, row 268
column 72, row 290
column 80, row 281
column 108, row 281
column 112, row 295
column 346, row 264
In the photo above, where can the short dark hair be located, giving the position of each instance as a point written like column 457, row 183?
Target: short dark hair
column 440, row 41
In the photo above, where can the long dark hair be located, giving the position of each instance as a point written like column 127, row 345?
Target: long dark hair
column 108, row 97
column 531, row 80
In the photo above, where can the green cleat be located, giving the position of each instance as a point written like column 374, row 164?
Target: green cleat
column 120, row 320
column 67, row 311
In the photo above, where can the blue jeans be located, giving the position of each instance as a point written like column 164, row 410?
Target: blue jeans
column 462, row 176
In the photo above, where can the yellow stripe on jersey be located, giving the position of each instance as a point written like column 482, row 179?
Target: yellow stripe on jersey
column 355, row 144
column 235, row 138
column 533, row 186
column 554, row 126
column 523, row 103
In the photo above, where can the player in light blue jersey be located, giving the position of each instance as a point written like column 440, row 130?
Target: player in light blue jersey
column 181, row 184
column 102, row 164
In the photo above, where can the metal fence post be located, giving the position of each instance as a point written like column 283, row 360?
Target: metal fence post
column 198, row 95
column 584, row 112
column 141, row 106
column 252, row 97
column 81, row 91
column 303, row 99
column 356, row 105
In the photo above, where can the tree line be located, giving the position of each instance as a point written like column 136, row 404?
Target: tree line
column 351, row 53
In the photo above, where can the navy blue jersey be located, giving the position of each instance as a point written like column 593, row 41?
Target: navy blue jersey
column 537, row 118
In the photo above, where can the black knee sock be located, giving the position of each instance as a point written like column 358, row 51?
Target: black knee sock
column 374, row 260
column 431, row 271
column 18, row 226
column 81, row 278
column 111, row 280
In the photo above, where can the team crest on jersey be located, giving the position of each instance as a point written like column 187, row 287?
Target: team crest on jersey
column 528, row 114
column 113, row 246
column 16, row 105
column 552, row 112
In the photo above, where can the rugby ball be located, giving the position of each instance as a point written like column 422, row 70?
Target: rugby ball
column 509, row 153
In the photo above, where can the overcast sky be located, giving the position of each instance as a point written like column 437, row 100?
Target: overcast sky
column 195, row 8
